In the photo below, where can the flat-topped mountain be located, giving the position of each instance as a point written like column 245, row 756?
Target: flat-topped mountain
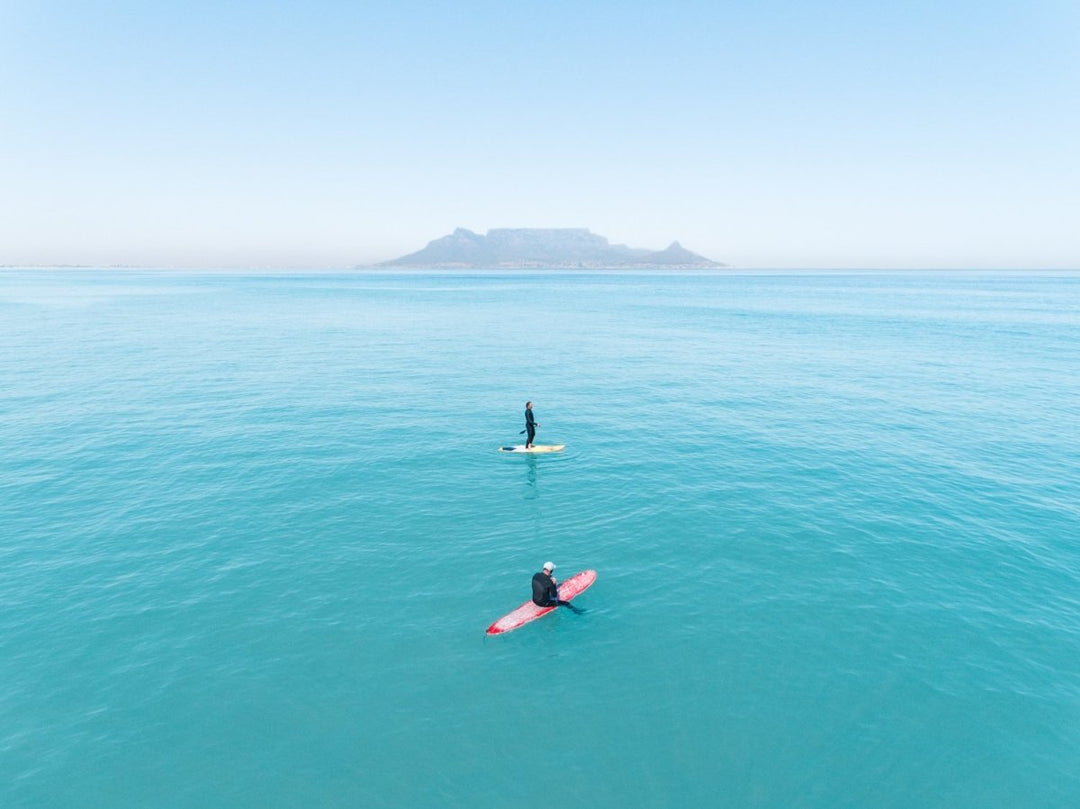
column 542, row 247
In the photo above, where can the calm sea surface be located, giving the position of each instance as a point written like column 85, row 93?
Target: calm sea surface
column 253, row 527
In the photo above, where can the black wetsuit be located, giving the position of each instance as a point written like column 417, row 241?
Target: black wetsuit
column 545, row 593
column 530, row 426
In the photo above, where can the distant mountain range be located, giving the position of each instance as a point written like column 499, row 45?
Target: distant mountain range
column 540, row 247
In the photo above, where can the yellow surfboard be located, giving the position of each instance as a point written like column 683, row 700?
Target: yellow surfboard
column 534, row 448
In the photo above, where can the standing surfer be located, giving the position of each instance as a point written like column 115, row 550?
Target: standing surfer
column 530, row 425
column 545, row 588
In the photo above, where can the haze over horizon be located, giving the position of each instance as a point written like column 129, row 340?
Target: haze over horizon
column 776, row 134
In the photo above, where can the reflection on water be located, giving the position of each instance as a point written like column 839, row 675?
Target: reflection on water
column 532, row 489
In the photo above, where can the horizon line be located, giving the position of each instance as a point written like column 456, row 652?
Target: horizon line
column 566, row 268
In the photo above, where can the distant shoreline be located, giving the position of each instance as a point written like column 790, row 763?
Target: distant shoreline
column 381, row 269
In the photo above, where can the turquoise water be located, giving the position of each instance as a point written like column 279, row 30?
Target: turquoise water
column 253, row 527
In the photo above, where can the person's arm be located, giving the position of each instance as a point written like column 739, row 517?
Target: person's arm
column 552, row 591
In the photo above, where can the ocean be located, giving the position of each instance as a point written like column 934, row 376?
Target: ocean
column 253, row 526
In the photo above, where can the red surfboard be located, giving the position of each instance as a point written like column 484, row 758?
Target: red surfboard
column 528, row 611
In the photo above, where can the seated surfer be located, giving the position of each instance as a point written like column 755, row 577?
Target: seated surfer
column 546, row 590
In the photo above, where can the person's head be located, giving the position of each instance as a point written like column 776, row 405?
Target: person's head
column 528, row 405
column 549, row 567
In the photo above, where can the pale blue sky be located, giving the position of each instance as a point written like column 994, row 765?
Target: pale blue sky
column 762, row 134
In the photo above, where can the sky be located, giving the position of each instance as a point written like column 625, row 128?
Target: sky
column 330, row 134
